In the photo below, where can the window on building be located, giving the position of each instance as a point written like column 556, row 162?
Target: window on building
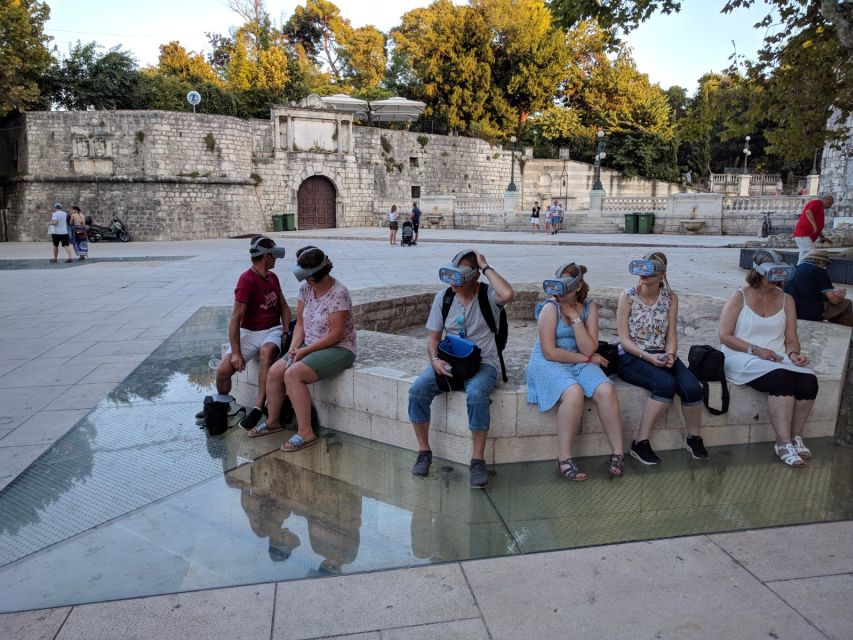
column 416, row 191
column 414, row 162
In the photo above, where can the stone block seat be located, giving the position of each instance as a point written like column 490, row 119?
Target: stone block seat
column 371, row 399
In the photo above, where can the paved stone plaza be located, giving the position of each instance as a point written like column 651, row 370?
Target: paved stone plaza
column 75, row 336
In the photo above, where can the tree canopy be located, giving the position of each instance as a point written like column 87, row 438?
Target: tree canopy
column 24, row 54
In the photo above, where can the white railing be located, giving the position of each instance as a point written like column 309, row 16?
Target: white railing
column 478, row 206
column 657, row 203
column 778, row 204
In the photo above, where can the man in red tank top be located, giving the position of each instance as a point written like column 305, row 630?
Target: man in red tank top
column 810, row 225
column 258, row 321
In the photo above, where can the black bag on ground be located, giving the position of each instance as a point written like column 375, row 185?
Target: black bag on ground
column 610, row 352
column 216, row 414
column 464, row 356
column 707, row 364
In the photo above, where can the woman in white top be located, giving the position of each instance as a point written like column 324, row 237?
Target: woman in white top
column 758, row 331
column 393, row 216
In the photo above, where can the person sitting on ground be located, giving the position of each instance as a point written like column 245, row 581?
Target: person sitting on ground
column 810, row 225
column 564, row 367
column 416, row 221
column 257, row 324
column 814, row 295
column 58, row 230
column 647, row 318
column 323, row 345
column 464, row 320
column 758, row 331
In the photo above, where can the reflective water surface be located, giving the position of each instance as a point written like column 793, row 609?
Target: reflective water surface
column 135, row 500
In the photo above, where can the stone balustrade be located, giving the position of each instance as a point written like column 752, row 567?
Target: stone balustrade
column 777, row 204
column 371, row 399
column 632, row 205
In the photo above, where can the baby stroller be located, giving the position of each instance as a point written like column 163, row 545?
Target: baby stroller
column 408, row 234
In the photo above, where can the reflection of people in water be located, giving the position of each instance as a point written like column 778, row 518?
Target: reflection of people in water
column 273, row 489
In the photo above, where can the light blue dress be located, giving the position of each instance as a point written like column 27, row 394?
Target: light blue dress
column 546, row 379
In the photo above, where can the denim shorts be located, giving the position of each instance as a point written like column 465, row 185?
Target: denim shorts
column 662, row 382
column 477, row 389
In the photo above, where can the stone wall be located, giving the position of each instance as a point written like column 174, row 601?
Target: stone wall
column 175, row 175
column 837, row 172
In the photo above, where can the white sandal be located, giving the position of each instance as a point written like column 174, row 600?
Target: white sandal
column 800, row 447
column 788, row 454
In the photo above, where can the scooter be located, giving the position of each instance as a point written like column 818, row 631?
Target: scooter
column 116, row 231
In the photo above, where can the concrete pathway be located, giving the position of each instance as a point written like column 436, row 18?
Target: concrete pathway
column 72, row 332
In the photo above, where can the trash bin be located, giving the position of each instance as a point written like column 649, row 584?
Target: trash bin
column 289, row 222
column 278, row 223
column 631, row 222
column 647, row 222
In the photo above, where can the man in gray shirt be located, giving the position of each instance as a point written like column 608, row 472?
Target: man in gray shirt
column 465, row 320
column 58, row 228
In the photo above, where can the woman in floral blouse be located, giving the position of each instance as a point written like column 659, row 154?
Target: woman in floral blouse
column 647, row 317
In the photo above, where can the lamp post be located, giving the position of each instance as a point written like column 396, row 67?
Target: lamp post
column 599, row 156
column 746, row 154
column 511, row 186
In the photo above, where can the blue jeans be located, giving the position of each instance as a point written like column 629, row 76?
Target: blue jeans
column 477, row 390
column 662, row 382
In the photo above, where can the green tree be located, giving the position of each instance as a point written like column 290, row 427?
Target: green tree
column 87, row 79
column 363, row 57
column 24, row 54
column 186, row 65
column 612, row 15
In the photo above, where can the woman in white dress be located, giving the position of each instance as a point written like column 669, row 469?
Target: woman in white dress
column 758, row 331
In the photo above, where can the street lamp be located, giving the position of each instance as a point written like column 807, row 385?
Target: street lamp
column 511, row 186
column 599, row 156
column 746, row 154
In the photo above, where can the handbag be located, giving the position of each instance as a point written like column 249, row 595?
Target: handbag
column 708, row 365
column 609, row 352
column 464, row 358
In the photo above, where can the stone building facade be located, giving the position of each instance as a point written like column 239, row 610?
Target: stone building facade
column 836, row 175
column 174, row 176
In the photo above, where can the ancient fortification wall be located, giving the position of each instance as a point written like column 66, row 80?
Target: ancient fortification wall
column 182, row 176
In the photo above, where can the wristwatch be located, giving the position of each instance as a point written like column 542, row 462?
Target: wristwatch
column 486, row 268
column 577, row 320
column 750, row 349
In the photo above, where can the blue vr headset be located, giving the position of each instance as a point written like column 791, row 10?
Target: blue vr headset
column 456, row 275
column 560, row 285
column 303, row 273
column 647, row 266
column 775, row 271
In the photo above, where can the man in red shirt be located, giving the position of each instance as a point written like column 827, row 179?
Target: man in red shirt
column 257, row 324
column 810, row 225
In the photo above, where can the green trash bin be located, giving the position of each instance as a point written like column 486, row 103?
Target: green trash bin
column 631, row 223
column 290, row 222
column 278, row 223
column 647, row 222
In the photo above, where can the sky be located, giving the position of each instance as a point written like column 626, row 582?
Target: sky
column 672, row 50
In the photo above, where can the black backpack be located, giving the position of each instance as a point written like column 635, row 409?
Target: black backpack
column 501, row 331
column 215, row 415
column 707, row 364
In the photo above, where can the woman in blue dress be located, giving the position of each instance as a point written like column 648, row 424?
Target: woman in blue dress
column 564, row 367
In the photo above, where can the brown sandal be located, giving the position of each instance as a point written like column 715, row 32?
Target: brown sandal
column 569, row 469
column 615, row 465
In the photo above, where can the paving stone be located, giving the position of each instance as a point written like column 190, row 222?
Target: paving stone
column 824, row 601
column 44, row 428
column 471, row 629
column 32, row 625
column 82, row 396
column 13, row 460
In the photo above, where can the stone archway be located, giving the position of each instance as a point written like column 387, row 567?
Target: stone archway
column 315, row 204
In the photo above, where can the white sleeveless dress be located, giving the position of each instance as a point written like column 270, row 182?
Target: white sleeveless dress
column 766, row 332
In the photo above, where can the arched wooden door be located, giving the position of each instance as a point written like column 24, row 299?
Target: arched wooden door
column 315, row 202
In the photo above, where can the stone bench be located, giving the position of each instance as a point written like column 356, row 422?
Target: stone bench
column 371, row 399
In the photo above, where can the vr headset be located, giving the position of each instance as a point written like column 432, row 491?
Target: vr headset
column 256, row 249
column 775, row 271
column 560, row 285
column 456, row 275
column 646, row 267
column 303, row 273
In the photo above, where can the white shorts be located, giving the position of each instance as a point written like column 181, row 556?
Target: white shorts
column 534, row 221
column 252, row 341
column 805, row 245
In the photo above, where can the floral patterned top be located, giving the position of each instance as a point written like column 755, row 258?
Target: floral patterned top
column 315, row 314
column 647, row 325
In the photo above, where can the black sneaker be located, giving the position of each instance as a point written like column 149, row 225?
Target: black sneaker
column 421, row 468
column 642, row 451
column 696, row 447
column 252, row 419
column 478, row 478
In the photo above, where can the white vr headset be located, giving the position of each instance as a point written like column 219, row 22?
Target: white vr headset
column 256, row 249
column 303, row 273
column 775, row 271
column 456, row 275
column 561, row 285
